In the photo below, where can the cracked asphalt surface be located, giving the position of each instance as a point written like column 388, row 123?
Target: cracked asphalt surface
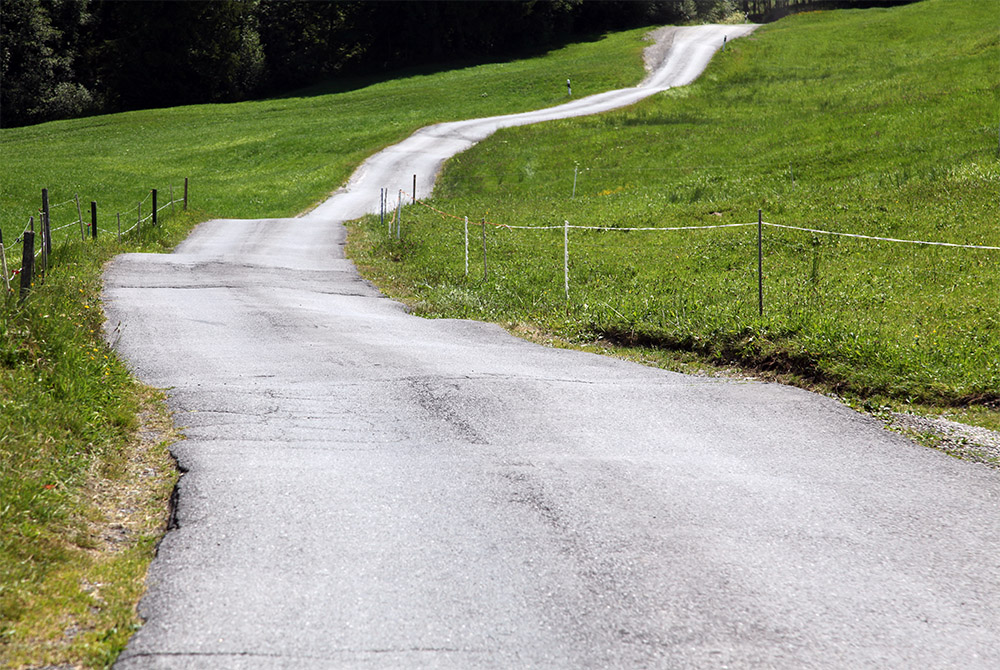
column 368, row 489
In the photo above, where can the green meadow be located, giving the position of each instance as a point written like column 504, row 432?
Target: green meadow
column 278, row 157
column 73, row 423
column 877, row 122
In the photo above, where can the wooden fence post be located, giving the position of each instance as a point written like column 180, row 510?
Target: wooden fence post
column 27, row 263
column 93, row 219
column 154, row 206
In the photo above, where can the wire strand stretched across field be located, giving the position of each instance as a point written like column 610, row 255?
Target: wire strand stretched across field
column 882, row 239
column 710, row 227
column 10, row 256
column 73, row 223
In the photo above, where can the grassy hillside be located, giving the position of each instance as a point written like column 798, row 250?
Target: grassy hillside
column 278, row 157
column 83, row 485
column 876, row 122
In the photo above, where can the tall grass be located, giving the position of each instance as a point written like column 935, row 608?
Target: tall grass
column 879, row 122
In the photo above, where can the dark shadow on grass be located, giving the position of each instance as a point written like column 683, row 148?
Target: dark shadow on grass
column 354, row 82
column 775, row 361
column 665, row 120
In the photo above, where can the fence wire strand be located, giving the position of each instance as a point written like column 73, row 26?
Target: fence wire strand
column 9, row 254
column 711, row 227
column 881, row 239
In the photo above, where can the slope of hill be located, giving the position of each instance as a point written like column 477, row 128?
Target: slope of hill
column 877, row 122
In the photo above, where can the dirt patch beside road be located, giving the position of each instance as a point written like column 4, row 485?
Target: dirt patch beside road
column 662, row 39
column 957, row 439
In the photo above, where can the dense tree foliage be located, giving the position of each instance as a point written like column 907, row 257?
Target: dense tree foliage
column 65, row 58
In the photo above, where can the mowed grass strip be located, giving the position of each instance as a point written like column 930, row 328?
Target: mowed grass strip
column 83, row 486
column 877, row 122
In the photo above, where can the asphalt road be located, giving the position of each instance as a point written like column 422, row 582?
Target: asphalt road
column 368, row 489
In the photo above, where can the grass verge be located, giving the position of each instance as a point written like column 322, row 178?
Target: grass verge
column 878, row 122
column 85, row 474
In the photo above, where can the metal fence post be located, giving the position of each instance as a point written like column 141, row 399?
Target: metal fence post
column 760, row 263
column 79, row 215
column 3, row 268
column 566, row 258
column 27, row 263
column 46, row 228
column 42, row 245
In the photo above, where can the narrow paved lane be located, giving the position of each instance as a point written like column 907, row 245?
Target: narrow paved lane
column 365, row 488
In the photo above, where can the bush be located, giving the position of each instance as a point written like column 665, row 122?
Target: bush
column 67, row 100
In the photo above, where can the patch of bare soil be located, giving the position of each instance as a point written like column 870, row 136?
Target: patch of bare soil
column 662, row 40
column 132, row 504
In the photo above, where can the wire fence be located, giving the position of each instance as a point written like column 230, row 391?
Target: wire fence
column 35, row 258
column 395, row 230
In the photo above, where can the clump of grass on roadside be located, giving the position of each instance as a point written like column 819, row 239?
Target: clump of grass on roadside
column 877, row 122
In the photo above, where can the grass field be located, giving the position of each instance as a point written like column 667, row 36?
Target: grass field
column 83, row 486
column 278, row 157
column 877, row 122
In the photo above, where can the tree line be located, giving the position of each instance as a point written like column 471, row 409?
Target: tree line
column 770, row 10
column 68, row 58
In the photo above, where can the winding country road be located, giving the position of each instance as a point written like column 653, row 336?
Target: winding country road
column 368, row 489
